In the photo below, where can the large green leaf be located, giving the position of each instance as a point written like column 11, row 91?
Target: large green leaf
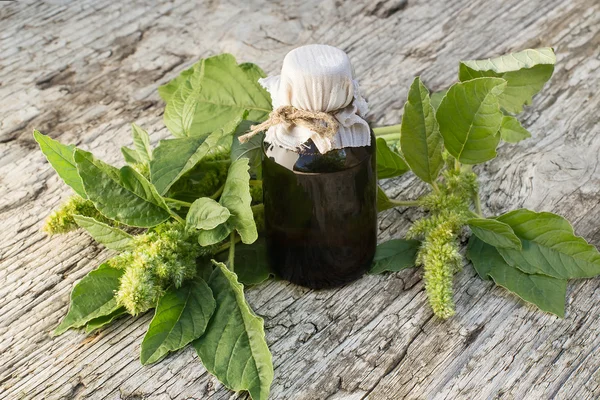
column 420, row 140
column 550, row 246
column 395, row 255
column 167, row 90
column 469, row 118
column 235, row 197
column 174, row 157
column 217, row 90
column 234, row 348
column 206, row 213
column 113, row 238
column 526, row 72
column 60, row 156
column 383, row 202
column 389, row 163
column 181, row 317
column 104, row 320
column 545, row 292
column 251, row 263
column 92, row 297
column 511, row 130
column 494, row 232
column 125, row 195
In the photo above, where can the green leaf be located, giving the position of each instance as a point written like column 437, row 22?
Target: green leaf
column 166, row 91
column 60, row 156
column 236, row 197
column 174, row 157
column 469, row 118
column 252, row 149
column 92, row 297
column 526, row 72
column 206, row 213
column 420, row 138
column 545, row 292
column 181, row 317
column 436, row 98
column 216, row 91
column 383, row 202
column 125, row 195
column 494, row 232
column 113, row 238
column 511, row 130
column 550, row 246
column 234, row 348
column 394, row 255
column 131, row 156
column 141, row 142
column 251, row 264
column 100, row 322
column 389, row 163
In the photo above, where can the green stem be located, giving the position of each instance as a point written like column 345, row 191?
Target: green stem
column 456, row 165
column 384, row 130
column 435, row 186
column 231, row 251
column 226, row 245
column 255, row 182
column 180, row 202
column 405, row 203
column 477, row 202
column 217, row 193
column 176, row 217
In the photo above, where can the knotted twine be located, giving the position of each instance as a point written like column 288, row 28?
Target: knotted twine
column 322, row 123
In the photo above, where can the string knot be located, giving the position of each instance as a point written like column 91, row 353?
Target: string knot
column 322, row 123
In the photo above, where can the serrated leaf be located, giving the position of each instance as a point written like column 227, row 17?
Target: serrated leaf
column 394, row 255
column 526, row 72
column 141, row 142
column 550, row 246
column 251, row 263
column 111, row 237
column 383, row 202
column 174, row 157
column 545, row 292
column 216, row 91
column 469, row 118
column 105, row 320
column 234, row 348
column 181, row 317
column 60, row 157
column 235, row 197
column 389, row 163
column 420, row 138
column 495, row 233
column 511, row 130
column 92, row 297
column 125, row 195
column 206, row 213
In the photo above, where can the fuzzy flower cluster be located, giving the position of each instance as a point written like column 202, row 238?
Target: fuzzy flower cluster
column 61, row 220
column 163, row 256
column 439, row 252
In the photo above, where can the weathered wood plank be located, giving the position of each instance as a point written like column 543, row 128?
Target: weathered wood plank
column 82, row 71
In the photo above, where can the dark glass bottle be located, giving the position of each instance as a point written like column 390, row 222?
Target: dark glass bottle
column 321, row 214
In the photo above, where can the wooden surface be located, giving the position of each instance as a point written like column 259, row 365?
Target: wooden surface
column 81, row 71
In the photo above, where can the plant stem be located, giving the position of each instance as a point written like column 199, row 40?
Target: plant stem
column 226, row 245
column 384, row 130
column 180, row 202
column 176, row 217
column 255, row 182
column 435, row 186
column 231, row 251
column 456, row 165
column 404, row 203
column 217, row 193
column 477, row 202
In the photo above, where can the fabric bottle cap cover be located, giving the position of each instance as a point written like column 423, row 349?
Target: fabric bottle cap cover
column 318, row 78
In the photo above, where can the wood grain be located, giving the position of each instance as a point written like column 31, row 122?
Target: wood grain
column 82, row 71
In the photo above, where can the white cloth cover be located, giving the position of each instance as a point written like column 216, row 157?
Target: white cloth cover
column 318, row 78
